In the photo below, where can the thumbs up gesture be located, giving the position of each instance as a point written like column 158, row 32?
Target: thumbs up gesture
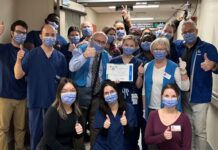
column 168, row 134
column 140, row 70
column 71, row 47
column 107, row 122
column 123, row 119
column 182, row 66
column 90, row 52
column 78, row 128
column 2, row 28
column 20, row 53
column 207, row 64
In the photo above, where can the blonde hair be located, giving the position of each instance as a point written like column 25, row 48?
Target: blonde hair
column 160, row 41
column 130, row 37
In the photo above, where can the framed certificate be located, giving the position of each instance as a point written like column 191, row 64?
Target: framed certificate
column 120, row 72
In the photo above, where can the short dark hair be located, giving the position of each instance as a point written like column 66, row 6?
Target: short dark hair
column 103, row 105
column 107, row 29
column 53, row 18
column 172, row 86
column 19, row 23
column 73, row 28
column 148, row 37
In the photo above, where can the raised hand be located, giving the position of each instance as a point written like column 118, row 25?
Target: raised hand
column 107, row 122
column 168, row 134
column 123, row 119
column 78, row 128
column 2, row 28
column 90, row 52
column 71, row 47
column 207, row 64
column 140, row 70
column 20, row 53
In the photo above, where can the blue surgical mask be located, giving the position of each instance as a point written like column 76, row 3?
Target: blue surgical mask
column 111, row 39
column 87, row 31
column 158, row 33
column 146, row 46
column 169, row 103
column 121, row 33
column 75, row 39
column 49, row 41
column 159, row 54
column 111, row 98
column 68, row 97
column 20, row 38
column 190, row 38
column 128, row 50
column 167, row 35
column 98, row 47
column 54, row 24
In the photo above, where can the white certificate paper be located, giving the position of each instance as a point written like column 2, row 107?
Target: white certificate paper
column 120, row 72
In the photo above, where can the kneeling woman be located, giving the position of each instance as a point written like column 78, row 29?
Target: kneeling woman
column 115, row 119
column 168, row 128
column 62, row 129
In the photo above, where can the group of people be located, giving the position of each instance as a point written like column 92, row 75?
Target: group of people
column 65, row 89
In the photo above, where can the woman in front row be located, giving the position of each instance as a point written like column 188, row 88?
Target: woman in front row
column 168, row 128
column 62, row 129
column 115, row 120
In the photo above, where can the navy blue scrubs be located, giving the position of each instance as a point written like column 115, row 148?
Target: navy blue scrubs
column 131, row 93
column 43, row 75
column 116, row 137
column 10, row 87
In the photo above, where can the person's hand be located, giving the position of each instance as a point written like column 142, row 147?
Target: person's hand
column 207, row 64
column 90, row 52
column 78, row 128
column 2, row 28
column 123, row 119
column 71, row 47
column 182, row 66
column 107, row 122
column 168, row 134
column 140, row 70
column 125, row 13
column 20, row 53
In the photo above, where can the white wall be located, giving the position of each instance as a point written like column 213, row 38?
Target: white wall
column 31, row 11
column 208, row 31
column 8, row 16
column 91, row 16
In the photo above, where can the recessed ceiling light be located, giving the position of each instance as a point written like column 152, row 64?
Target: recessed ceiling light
column 146, row 6
column 141, row 3
column 112, row 7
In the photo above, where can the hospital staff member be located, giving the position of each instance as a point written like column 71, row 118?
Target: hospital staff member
column 43, row 67
column 12, row 91
column 115, row 119
column 131, row 90
column 168, row 128
column 201, row 58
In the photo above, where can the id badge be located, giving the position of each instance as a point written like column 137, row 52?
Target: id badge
column 134, row 98
column 167, row 75
column 176, row 128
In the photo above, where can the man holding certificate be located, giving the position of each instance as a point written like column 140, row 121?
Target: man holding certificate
column 127, row 71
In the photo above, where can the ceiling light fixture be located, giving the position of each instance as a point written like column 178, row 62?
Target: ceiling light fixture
column 141, row 19
column 146, row 6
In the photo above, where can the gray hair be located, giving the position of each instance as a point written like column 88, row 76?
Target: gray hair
column 160, row 41
column 190, row 22
column 99, row 33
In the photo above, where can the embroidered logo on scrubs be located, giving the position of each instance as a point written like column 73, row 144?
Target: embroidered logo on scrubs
column 125, row 92
column 167, row 75
column 198, row 52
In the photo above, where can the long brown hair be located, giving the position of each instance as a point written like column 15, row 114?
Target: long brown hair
column 59, row 104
